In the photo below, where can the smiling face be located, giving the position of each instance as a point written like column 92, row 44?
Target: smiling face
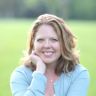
column 47, row 45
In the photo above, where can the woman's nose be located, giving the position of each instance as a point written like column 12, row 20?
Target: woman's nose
column 47, row 44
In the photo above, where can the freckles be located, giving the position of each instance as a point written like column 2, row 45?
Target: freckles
column 36, row 46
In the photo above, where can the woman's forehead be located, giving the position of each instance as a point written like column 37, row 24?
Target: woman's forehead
column 46, row 30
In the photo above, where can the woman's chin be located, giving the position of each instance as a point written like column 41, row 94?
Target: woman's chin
column 49, row 62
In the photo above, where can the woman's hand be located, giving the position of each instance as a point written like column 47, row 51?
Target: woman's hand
column 36, row 60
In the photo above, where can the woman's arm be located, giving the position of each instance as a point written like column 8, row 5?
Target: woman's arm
column 21, row 87
column 79, row 85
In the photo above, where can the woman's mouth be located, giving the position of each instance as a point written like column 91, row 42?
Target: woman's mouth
column 48, row 54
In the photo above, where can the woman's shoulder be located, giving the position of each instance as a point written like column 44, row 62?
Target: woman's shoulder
column 21, row 72
column 22, row 68
column 81, row 71
column 80, row 67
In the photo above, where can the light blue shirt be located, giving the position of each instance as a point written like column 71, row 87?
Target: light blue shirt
column 24, row 82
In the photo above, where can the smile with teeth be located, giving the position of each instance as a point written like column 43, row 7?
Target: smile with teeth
column 48, row 53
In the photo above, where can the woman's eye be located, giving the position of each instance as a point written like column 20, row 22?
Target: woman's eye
column 54, row 39
column 39, row 40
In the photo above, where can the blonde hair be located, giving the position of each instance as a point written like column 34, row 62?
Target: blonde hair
column 69, row 57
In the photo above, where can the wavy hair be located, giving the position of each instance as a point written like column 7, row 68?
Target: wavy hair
column 69, row 57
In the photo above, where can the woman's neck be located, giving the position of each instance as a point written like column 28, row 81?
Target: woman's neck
column 50, row 74
column 50, row 70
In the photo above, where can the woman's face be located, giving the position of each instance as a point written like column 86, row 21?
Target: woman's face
column 47, row 45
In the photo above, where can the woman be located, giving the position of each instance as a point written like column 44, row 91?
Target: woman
column 51, row 66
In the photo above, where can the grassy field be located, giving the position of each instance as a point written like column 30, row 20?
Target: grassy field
column 13, row 35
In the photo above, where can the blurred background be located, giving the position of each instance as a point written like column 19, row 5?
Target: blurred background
column 69, row 9
column 16, row 17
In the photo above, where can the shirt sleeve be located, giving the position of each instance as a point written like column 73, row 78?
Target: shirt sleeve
column 79, row 85
column 20, row 87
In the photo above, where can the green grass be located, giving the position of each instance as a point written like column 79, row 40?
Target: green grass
column 13, row 35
